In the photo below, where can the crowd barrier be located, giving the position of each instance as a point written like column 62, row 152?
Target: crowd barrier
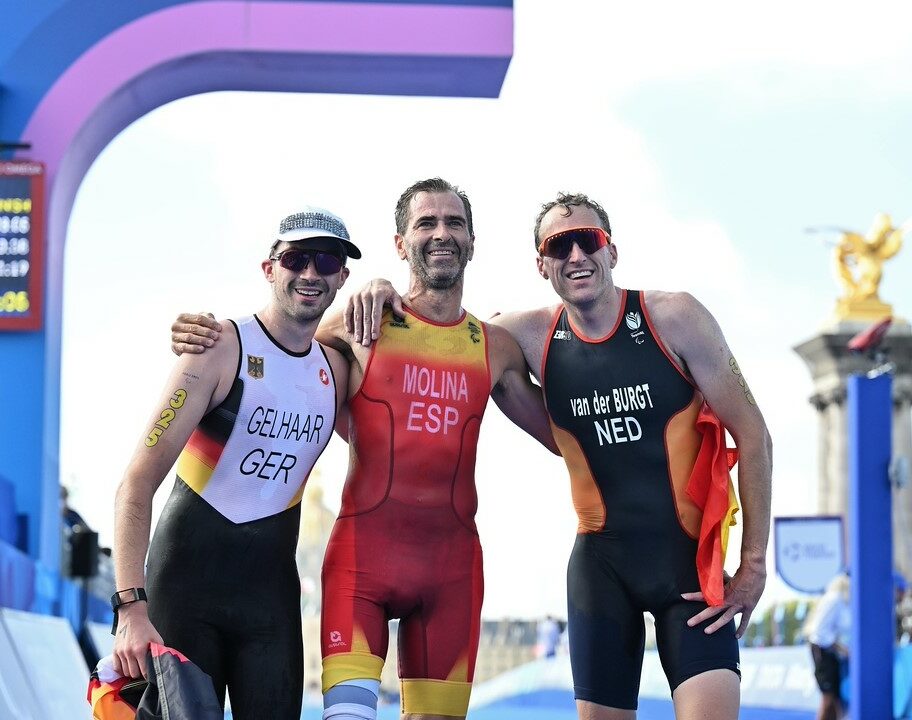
column 43, row 675
column 27, row 585
column 776, row 678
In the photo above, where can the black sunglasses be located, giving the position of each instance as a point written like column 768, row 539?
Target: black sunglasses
column 297, row 261
column 589, row 239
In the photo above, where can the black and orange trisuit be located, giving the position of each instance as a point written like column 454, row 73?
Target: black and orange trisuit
column 626, row 418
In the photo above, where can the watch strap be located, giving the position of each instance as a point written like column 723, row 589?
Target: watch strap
column 125, row 597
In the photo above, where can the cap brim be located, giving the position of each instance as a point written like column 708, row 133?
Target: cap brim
column 351, row 250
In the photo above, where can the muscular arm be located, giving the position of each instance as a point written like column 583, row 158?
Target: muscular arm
column 331, row 333
column 514, row 392
column 195, row 386
column 693, row 334
column 529, row 328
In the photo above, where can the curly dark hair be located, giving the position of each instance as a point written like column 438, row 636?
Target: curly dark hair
column 568, row 201
column 432, row 185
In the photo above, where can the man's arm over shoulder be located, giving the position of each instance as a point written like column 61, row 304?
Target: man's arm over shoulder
column 529, row 328
column 196, row 385
column 694, row 336
column 364, row 310
column 514, row 392
column 331, row 333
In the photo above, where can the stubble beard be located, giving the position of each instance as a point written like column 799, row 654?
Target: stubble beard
column 304, row 314
column 437, row 279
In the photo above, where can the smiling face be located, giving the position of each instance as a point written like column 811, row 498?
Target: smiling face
column 436, row 242
column 579, row 279
column 301, row 296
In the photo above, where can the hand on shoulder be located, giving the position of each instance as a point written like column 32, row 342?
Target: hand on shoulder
column 194, row 332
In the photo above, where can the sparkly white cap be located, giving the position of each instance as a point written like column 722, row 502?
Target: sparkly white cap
column 314, row 222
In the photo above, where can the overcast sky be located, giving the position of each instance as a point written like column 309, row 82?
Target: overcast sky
column 713, row 137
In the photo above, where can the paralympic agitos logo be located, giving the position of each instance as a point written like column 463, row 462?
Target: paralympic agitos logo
column 634, row 321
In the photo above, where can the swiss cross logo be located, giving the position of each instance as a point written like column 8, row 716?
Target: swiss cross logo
column 324, row 378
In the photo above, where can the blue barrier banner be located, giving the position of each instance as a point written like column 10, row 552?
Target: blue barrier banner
column 17, row 578
column 9, row 525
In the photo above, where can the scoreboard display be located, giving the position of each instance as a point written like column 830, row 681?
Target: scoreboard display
column 21, row 245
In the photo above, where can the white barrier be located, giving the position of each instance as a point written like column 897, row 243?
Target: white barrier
column 777, row 677
column 42, row 669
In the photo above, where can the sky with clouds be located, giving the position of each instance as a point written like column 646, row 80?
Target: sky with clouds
column 713, row 134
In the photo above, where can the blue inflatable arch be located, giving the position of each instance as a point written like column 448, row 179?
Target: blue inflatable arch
column 74, row 74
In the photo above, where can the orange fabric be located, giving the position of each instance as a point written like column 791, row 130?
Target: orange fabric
column 682, row 443
column 104, row 697
column 710, row 487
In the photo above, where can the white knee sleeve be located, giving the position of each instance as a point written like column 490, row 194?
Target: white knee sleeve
column 349, row 711
column 352, row 700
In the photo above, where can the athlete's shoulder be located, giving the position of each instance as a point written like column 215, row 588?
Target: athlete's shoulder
column 332, row 333
column 676, row 305
column 526, row 325
column 529, row 328
column 218, row 365
column 227, row 346
column 679, row 317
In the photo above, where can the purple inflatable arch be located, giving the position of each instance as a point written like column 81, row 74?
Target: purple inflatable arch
column 104, row 66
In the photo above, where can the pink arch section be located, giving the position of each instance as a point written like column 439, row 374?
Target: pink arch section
column 210, row 45
column 186, row 30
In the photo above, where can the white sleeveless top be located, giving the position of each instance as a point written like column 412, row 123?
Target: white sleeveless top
column 251, row 456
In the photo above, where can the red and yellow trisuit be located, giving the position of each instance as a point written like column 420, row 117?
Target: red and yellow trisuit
column 405, row 543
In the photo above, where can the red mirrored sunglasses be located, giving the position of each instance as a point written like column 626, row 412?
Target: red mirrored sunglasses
column 297, row 261
column 559, row 245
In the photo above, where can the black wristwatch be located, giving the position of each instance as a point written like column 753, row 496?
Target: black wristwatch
column 125, row 597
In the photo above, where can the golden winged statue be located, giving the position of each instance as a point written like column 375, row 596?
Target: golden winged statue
column 859, row 267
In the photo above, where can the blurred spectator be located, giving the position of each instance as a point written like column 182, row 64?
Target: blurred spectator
column 827, row 631
column 79, row 556
column 71, row 518
column 903, row 604
column 547, row 637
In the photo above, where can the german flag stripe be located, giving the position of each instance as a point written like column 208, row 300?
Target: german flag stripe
column 193, row 471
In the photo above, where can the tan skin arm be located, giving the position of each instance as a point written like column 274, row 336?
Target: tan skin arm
column 530, row 330
column 195, row 386
column 694, row 337
column 514, row 392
